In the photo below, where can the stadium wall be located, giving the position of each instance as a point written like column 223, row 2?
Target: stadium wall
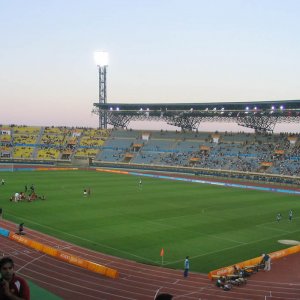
column 209, row 173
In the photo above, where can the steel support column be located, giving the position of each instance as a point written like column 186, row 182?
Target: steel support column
column 184, row 121
column 261, row 123
column 102, row 97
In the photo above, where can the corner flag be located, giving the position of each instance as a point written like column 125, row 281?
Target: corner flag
column 162, row 253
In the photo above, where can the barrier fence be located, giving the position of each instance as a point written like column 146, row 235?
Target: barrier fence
column 253, row 261
column 61, row 255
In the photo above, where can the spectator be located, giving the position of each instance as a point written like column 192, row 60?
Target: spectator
column 164, row 297
column 12, row 287
column 221, row 283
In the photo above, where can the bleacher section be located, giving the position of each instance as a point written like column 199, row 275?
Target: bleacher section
column 245, row 152
column 23, row 152
column 91, row 142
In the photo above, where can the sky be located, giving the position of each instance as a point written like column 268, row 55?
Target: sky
column 160, row 51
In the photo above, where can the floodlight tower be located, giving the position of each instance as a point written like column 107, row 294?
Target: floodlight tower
column 101, row 59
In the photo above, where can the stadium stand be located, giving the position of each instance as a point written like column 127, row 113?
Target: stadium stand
column 231, row 154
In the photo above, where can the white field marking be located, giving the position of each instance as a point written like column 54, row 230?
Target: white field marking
column 274, row 222
column 175, row 282
column 232, row 247
column 225, row 239
column 177, row 261
column 33, row 260
column 87, row 240
column 173, row 226
column 271, row 228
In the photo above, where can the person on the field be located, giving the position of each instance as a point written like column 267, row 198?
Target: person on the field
column 84, row 193
column 17, row 197
column 12, row 286
column 278, row 217
column 186, row 267
column 140, row 183
column 2, row 181
column 33, row 196
column 290, row 215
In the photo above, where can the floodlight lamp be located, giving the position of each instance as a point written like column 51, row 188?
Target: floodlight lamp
column 273, row 107
column 255, row 108
column 101, row 58
column 110, row 108
column 247, row 108
column 281, row 107
column 117, row 108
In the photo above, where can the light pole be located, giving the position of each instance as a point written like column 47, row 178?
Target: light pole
column 101, row 59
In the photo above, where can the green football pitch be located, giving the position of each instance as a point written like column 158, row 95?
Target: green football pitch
column 215, row 226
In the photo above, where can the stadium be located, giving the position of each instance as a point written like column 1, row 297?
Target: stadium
column 136, row 202
column 166, row 168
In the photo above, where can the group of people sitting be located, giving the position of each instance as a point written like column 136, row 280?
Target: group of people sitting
column 238, row 277
column 21, row 196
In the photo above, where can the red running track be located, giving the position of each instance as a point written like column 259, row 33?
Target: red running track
column 139, row 281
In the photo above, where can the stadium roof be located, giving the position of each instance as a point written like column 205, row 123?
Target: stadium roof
column 259, row 105
column 259, row 115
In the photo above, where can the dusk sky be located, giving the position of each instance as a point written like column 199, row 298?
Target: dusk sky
column 160, row 51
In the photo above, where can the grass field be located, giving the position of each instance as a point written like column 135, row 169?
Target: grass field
column 215, row 226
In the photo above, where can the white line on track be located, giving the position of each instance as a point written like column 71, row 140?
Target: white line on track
column 83, row 280
column 33, row 260
column 199, row 291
